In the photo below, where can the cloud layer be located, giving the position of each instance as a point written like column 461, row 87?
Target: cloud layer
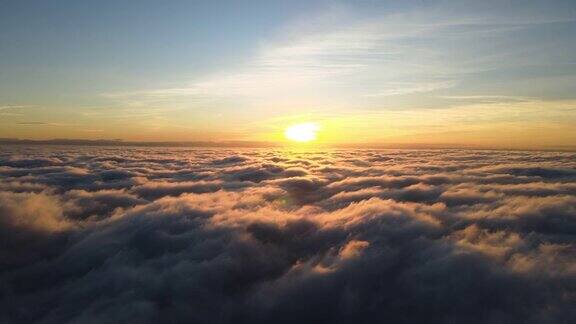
column 149, row 235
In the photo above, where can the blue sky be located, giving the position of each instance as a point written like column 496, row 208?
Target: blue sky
column 392, row 71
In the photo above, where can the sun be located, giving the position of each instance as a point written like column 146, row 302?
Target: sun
column 305, row 132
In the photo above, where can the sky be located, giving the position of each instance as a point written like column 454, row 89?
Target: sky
column 498, row 74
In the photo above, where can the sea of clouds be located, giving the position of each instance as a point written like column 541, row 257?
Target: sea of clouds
column 163, row 235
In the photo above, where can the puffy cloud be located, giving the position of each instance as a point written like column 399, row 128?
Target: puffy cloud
column 153, row 190
column 151, row 235
column 82, row 205
column 29, row 222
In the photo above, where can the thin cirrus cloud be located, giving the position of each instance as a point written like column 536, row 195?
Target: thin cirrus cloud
column 268, row 235
column 34, row 123
column 370, row 63
column 437, row 74
column 307, row 59
column 335, row 50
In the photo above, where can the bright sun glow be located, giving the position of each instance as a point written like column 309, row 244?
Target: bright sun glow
column 305, row 132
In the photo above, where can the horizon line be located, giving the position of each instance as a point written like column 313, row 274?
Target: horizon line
column 266, row 144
